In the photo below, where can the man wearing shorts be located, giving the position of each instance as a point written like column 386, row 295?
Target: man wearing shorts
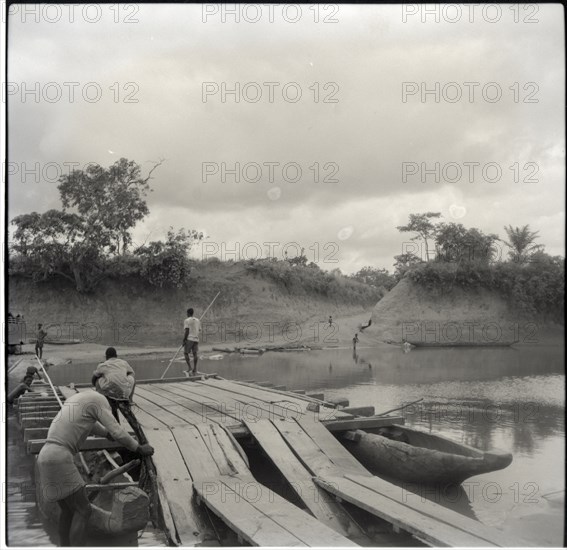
column 82, row 414
column 41, row 334
column 192, row 327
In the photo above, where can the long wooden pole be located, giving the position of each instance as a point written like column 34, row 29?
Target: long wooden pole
column 173, row 358
column 402, row 407
column 49, row 380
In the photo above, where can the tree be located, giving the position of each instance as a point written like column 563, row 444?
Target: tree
column 403, row 263
column 112, row 198
column 166, row 264
column 101, row 206
column 423, row 226
column 375, row 277
column 456, row 243
column 521, row 242
column 61, row 243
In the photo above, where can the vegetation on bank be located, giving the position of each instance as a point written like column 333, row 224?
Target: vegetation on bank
column 531, row 280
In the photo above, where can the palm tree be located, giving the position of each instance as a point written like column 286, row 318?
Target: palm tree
column 521, row 241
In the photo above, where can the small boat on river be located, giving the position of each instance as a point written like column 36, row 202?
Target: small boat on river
column 498, row 344
column 414, row 456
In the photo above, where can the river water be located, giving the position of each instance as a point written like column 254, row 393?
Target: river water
column 508, row 398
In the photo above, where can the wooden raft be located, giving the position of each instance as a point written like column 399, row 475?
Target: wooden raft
column 192, row 425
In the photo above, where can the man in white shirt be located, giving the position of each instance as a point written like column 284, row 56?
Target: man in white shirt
column 192, row 327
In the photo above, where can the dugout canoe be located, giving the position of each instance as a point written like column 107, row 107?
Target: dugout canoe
column 499, row 344
column 413, row 456
column 57, row 342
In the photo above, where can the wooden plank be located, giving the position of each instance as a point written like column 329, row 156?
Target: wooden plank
column 256, row 528
column 35, row 422
column 196, row 454
column 210, row 440
column 434, row 533
column 237, row 405
column 331, row 447
column 252, row 403
column 306, row 528
column 318, row 396
column 310, row 455
column 191, row 526
column 90, row 444
column 317, row 501
column 274, row 396
column 170, row 419
column 360, row 411
column 362, row 423
column 36, row 400
column 233, row 453
column 32, row 407
column 437, row 512
column 198, row 411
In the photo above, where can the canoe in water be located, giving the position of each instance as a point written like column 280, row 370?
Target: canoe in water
column 414, row 456
column 499, row 344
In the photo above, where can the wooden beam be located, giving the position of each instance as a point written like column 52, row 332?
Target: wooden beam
column 339, row 401
column 90, row 444
column 361, row 423
column 319, row 396
column 360, row 411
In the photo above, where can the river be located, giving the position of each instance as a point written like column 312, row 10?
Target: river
column 507, row 398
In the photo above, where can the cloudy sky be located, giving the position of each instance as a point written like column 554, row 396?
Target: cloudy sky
column 337, row 119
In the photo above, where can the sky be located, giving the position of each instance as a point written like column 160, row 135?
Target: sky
column 324, row 126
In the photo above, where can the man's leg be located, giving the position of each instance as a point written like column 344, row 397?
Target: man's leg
column 79, row 503
column 187, row 360
column 195, row 358
column 65, row 520
column 40, row 352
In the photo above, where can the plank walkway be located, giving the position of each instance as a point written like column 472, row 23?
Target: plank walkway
column 192, row 427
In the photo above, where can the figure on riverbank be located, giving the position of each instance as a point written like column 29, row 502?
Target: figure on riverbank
column 59, row 478
column 192, row 327
column 40, row 339
column 355, row 341
column 114, row 378
column 330, row 320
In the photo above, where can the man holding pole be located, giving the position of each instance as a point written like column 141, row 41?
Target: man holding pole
column 192, row 327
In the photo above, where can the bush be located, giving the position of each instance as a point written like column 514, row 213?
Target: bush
column 534, row 288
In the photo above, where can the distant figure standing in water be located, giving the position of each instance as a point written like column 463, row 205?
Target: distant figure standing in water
column 355, row 341
column 330, row 320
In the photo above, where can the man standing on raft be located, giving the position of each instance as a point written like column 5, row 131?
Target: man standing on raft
column 192, row 327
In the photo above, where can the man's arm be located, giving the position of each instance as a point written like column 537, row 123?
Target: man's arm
column 118, row 433
column 186, row 335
